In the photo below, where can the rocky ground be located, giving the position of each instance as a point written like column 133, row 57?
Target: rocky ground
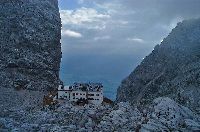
column 163, row 115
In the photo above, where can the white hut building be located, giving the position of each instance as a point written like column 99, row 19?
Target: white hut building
column 92, row 92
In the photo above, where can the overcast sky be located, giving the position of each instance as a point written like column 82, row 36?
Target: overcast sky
column 112, row 36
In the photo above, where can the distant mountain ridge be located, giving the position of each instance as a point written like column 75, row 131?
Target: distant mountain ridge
column 172, row 70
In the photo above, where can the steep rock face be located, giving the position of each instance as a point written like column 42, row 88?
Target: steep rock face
column 30, row 32
column 172, row 70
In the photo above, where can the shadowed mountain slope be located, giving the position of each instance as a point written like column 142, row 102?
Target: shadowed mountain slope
column 172, row 70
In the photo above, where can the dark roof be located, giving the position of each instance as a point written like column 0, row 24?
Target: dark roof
column 87, row 86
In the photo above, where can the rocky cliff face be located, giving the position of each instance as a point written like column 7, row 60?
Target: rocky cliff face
column 30, row 32
column 172, row 70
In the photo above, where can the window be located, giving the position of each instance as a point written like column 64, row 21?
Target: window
column 90, row 99
column 73, row 94
column 80, row 93
column 97, row 94
column 91, row 94
column 76, row 93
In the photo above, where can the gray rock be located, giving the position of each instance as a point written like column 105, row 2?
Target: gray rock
column 163, row 114
column 167, row 115
column 192, row 125
column 171, row 70
column 30, row 46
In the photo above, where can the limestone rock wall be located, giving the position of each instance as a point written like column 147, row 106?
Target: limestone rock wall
column 30, row 49
column 172, row 70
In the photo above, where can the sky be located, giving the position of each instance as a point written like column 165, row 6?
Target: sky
column 111, row 37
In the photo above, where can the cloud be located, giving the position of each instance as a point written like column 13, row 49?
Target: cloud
column 150, row 20
column 102, row 38
column 80, row 1
column 121, row 27
column 138, row 40
column 84, row 18
column 70, row 33
column 172, row 24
